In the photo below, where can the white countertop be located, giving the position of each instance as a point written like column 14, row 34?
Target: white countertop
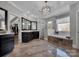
column 29, row 30
column 59, row 36
column 6, row 33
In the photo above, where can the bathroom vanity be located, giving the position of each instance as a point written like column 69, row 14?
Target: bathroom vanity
column 6, row 43
column 29, row 30
column 29, row 35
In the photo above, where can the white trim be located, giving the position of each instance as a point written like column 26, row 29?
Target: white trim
column 77, row 11
column 76, row 27
column 20, row 34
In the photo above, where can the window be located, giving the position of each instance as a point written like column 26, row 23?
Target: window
column 50, row 27
column 63, row 24
column 64, row 27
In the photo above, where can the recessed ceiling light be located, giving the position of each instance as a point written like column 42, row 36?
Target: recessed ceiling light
column 49, row 22
column 28, row 12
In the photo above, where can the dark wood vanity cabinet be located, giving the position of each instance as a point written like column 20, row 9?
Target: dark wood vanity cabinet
column 6, row 44
column 35, row 35
column 28, row 36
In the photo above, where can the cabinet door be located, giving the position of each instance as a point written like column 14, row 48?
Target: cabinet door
column 6, row 44
column 6, row 48
column 27, row 36
column 35, row 35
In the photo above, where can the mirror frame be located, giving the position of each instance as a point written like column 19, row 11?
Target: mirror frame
column 30, row 24
column 6, row 18
column 22, row 22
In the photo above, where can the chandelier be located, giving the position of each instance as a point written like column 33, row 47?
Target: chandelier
column 45, row 10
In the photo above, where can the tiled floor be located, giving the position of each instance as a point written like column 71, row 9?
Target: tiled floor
column 35, row 48
column 64, row 52
column 40, row 48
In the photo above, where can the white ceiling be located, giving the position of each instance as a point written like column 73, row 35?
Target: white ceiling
column 32, row 7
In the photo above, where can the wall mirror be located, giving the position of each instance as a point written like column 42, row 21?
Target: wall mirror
column 34, row 25
column 3, row 20
column 26, row 24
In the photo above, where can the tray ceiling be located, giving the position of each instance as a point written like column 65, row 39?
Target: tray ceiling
column 32, row 7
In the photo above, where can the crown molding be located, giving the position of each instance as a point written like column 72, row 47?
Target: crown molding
column 15, row 6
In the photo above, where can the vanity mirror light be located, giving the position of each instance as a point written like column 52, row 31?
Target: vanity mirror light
column 3, row 20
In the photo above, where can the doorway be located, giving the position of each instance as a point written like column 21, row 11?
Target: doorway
column 14, row 27
column 15, row 30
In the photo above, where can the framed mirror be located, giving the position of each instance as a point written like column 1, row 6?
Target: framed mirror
column 33, row 25
column 3, row 20
column 26, row 24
